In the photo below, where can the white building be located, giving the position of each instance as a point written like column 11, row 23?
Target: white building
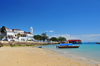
column 25, row 36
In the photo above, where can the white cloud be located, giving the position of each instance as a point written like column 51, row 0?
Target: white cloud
column 84, row 38
column 49, row 31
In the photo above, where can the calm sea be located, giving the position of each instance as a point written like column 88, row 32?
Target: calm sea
column 86, row 50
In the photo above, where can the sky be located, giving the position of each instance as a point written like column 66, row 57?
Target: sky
column 73, row 19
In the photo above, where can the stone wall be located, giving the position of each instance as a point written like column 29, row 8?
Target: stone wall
column 4, row 43
column 10, row 43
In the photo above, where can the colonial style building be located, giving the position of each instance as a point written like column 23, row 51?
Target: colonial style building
column 12, row 34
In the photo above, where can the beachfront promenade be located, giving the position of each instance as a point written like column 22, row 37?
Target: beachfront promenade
column 28, row 43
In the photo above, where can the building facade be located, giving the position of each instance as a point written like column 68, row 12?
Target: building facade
column 12, row 34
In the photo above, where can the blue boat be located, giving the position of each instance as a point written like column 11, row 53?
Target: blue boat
column 39, row 47
column 68, row 45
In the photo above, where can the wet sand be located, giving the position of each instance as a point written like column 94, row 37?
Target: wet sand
column 32, row 56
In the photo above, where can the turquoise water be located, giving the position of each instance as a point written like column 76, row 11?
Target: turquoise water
column 89, row 51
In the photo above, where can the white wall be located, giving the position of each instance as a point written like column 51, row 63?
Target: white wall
column 17, row 31
column 9, row 30
column 11, row 34
column 3, row 34
column 29, row 35
column 22, row 38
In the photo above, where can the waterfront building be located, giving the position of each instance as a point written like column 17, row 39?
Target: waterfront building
column 11, row 34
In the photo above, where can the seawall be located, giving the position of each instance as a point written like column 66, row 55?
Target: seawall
column 28, row 43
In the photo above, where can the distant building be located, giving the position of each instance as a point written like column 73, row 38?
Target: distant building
column 11, row 34
column 75, row 41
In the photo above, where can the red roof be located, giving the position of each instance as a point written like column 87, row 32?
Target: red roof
column 11, row 36
column 23, row 34
column 7, row 28
column 27, row 32
column 74, row 40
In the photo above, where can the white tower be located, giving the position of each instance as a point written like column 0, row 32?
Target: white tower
column 31, row 30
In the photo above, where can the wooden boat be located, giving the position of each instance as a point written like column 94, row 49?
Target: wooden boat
column 67, row 46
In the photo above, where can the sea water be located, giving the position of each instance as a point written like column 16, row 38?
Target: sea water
column 89, row 51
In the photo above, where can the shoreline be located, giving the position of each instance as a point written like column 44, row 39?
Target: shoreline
column 29, row 56
column 76, row 57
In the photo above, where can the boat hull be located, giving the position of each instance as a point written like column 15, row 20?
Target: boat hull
column 67, row 46
column 98, row 43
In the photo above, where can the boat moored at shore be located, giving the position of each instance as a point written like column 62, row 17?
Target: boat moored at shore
column 98, row 43
column 68, row 45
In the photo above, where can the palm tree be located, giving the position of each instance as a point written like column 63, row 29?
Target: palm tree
column 18, row 35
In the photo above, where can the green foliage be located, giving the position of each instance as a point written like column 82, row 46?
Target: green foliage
column 28, row 45
column 18, row 35
column 61, row 39
column 3, row 30
column 28, row 40
column 14, row 45
column 21, row 45
column 44, row 36
column 1, row 36
column 38, row 37
column 53, row 39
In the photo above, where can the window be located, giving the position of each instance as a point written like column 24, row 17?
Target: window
column 23, row 35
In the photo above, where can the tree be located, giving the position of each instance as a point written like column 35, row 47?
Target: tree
column 37, row 37
column 1, row 37
column 18, row 35
column 53, row 39
column 44, row 36
column 61, row 39
column 3, row 30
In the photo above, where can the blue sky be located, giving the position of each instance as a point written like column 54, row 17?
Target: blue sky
column 73, row 19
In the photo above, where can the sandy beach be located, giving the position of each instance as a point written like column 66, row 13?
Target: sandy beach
column 33, row 56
